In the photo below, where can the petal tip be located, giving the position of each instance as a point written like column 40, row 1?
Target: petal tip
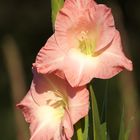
column 130, row 65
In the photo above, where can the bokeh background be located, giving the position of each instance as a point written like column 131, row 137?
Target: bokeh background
column 25, row 26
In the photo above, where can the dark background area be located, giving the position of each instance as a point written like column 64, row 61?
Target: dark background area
column 27, row 24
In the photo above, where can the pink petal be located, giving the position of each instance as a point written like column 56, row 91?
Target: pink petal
column 105, row 26
column 75, row 13
column 68, row 125
column 79, row 69
column 41, row 127
column 113, row 60
column 50, row 58
column 46, row 122
column 78, row 103
column 95, row 18
column 46, row 83
column 78, row 98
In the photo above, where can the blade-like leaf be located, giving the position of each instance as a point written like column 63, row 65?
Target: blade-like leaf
column 86, row 124
column 91, row 131
column 56, row 6
column 122, row 128
column 104, row 131
column 99, row 130
column 95, row 114
column 129, row 128
column 78, row 128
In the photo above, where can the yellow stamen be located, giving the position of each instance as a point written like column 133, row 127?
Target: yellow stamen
column 86, row 44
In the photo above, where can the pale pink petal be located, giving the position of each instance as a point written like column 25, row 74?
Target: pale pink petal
column 104, row 22
column 41, row 126
column 71, row 12
column 77, row 97
column 46, row 83
column 78, row 103
column 68, row 125
column 72, row 18
column 45, row 121
column 112, row 60
column 50, row 58
column 88, row 16
column 79, row 69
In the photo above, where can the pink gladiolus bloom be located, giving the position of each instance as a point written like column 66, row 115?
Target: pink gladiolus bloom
column 85, row 44
column 52, row 107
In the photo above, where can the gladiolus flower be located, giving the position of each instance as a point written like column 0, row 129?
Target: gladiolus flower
column 52, row 107
column 85, row 44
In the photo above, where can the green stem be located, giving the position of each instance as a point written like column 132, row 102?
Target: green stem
column 79, row 130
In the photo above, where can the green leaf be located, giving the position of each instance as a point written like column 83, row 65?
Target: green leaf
column 122, row 128
column 90, row 132
column 78, row 128
column 95, row 115
column 85, row 131
column 124, row 133
column 129, row 128
column 99, row 130
column 104, row 131
column 56, row 6
column 81, row 129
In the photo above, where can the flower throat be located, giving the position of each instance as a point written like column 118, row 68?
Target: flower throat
column 86, row 44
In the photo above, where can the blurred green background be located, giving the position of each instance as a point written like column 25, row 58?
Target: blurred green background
column 25, row 26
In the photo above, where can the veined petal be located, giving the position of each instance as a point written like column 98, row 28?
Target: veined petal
column 96, row 19
column 78, row 102
column 69, row 18
column 109, row 62
column 43, row 108
column 68, row 125
column 65, row 18
column 77, row 98
column 40, row 119
column 43, row 85
column 50, row 58
column 112, row 60
column 51, row 107
column 79, row 70
column 104, row 26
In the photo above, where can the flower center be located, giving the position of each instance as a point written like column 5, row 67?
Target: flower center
column 57, row 102
column 86, row 44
